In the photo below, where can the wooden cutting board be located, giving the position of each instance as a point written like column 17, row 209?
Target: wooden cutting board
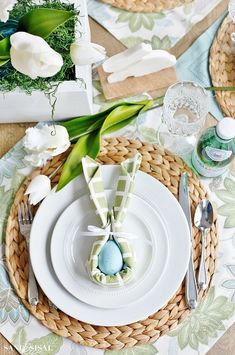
column 157, row 82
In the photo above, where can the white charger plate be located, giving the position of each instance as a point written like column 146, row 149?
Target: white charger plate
column 169, row 210
column 70, row 251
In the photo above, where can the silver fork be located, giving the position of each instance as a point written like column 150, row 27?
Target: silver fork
column 25, row 218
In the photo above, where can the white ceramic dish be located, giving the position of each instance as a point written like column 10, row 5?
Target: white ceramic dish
column 169, row 210
column 70, row 251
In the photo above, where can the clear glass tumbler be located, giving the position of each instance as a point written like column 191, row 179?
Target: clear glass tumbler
column 185, row 108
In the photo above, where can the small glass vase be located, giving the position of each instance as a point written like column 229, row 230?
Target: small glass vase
column 185, row 108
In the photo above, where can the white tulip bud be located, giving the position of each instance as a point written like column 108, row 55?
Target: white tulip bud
column 31, row 55
column 85, row 53
column 38, row 189
column 5, row 7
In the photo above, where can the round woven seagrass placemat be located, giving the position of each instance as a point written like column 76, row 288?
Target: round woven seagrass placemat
column 162, row 166
column 146, row 5
column 222, row 66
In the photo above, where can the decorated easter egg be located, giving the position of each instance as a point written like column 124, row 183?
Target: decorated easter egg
column 110, row 258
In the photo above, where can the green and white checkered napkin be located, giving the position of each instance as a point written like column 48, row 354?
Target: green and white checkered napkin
column 125, row 186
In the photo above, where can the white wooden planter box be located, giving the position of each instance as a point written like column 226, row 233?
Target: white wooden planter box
column 73, row 98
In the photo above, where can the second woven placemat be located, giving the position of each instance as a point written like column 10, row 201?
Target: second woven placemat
column 222, row 66
column 146, row 5
column 167, row 169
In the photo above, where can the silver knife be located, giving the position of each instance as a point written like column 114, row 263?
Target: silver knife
column 191, row 291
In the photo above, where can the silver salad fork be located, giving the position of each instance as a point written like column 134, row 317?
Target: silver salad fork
column 25, row 218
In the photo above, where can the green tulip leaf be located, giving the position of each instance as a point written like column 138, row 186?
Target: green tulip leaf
column 42, row 22
column 115, row 120
column 120, row 125
column 83, row 127
column 89, row 144
column 4, row 51
column 89, row 139
column 119, row 114
column 3, row 62
column 79, row 126
column 73, row 167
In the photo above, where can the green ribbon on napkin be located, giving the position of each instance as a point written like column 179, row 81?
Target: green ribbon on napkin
column 125, row 186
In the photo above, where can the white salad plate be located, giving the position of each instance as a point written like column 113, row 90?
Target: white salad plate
column 178, row 244
column 70, row 251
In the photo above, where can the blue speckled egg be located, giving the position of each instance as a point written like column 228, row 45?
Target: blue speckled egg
column 110, row 258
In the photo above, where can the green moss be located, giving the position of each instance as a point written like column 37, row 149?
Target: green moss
column 60, row 40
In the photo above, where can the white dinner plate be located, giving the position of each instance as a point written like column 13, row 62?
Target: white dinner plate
column 70, row 251
column 169, row 210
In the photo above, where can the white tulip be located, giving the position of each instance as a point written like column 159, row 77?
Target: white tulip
column 31, row 55
column 84, row 53
column 58, row 142
column 5, row 7
column 38, row 189
column 51, row 139
column 44, row 143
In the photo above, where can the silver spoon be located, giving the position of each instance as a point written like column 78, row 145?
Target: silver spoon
column 203, row 220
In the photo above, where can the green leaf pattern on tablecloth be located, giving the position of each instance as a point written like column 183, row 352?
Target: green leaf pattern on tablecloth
column 138, row 20
column 156, row 42
column 205, row 322
column 227, row 195
column 19, row 339
column 10, row 307
column 161, row 43
column 131, row 41
column 46, row 345
column 131, row 27
column 229, row 284
column 12, row 160
column 145, row 349
column 149, row 134
column 49, row 345
column 6, row 199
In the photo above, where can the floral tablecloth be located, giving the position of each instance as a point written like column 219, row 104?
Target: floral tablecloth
column 161, row 30
column 198, row 333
